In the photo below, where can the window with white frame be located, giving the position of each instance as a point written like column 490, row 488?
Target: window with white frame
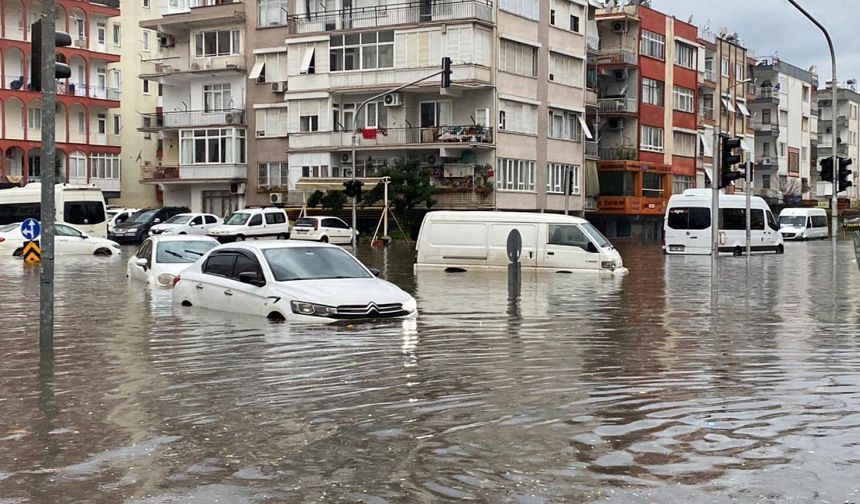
column 526, row 8
column 216, row 43
column 273, row 174
column 105, row 166
column 517, row 58
column 309, row 112
column 217, row 97
column 652, row 139
column 518, row 117
column 739, row 71
column 418, row 48
column 685, row 144
column 271, row 13
column 117, row 124
column 101, row 121
column 34, row 118
column 361, row 51
column 653, row 45
column 804, row 153
column 101, row 33
column 82, row 123
column 320, row 171
column 212, row 146
column 724, row 67
column 515, row 175
column 145, row 86
column 78, row 165
column 375, row 115
column 117, row 35
column 271, row 122
column 685, row 55
column 566, row 15
column 564, row 125
column 681, row 183
column 555, row 177
column 469, row 44
column 270, row 67
column 682, row 99
column 782, row 148
column 652, row 91
column 565, row 69
column 144, row 43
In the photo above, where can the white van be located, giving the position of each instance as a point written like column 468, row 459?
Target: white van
column 803, row 224
column 478, row 240
column 687, row 224
column 261, row 222
column 80, row 205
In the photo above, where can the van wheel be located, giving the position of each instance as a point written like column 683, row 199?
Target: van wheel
column 102, row 252
column 737, row 252
column 18, row 252
column 240, row 238
column 276, row 317
column 780, row 249
column 182, row 233
column 324, row 239
column 283, row 236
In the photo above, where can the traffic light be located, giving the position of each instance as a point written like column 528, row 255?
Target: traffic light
column 352, row 188
column 728, row 160
column 61, row 70
column 844, row 173
column 446, row 72
column 826, row 165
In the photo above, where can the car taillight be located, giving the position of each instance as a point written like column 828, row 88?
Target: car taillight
column 176, row 280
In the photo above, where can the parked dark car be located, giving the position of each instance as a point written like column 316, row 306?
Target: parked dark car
column 136, row 228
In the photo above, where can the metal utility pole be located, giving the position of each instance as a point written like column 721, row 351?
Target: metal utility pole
column 715, row 204
column 567, row 179
column 834, row 215
column 47, row 168
column 386, row 181
column 748, row 191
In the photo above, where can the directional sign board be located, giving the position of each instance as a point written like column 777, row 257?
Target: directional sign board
column 32, row 252
column 31, row 229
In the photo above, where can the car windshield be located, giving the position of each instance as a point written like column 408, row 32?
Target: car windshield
column 313, row 263
column 306, row 222
column 182, row 251
column 237, row 219
column 596, row 235
column 178, row 219
column 792, row 220
column 141, row 216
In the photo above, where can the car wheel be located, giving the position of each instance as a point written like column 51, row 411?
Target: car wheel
column 102, row 252
column 283, row 236
column 737, row 252
column 183, row 233
column 780, row 249
column 276, row 317
column 324, row 239
column 240, row 238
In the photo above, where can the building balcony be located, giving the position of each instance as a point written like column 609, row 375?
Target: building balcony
column 825, row 150
column 766, row 129
column 463, row 200
column 814, row 110
column 625, row 153
column 436, row 137
column 180, row 69
column 196, row 14
column 377, row 16
column 617, row 105
column 192, row 173
column 591, row 97
column 592, row 151
column 710, row 76
column 395, row 76
column 614, row 57
column 631, row 205
column 827, row 120
column 767, row 163
column 107, row 184
column 766, row 95
column 202, row 118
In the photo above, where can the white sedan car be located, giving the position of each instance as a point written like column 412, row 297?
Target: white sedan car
column 293, row 281
column 323, row 229
column 160, row 258
column 186, row 224
column 68, row 240
column 118, row 215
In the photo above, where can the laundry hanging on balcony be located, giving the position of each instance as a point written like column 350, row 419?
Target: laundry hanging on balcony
column 368, row 133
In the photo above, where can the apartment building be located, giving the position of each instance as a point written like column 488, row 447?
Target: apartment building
column 502, row 136
column 88, row 143
column 200, row 125
column 647, row 95
column 847, row 136
column 726, row 89
column 785, row 121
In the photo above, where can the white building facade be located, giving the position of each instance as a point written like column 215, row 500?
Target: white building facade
column 847, row 136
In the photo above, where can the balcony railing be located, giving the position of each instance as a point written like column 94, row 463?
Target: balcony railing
column 706, row 112
column 764, row 162
column 710, row 76
column 393, row 76
column 767, row 93
column 107, row 3
column 631, row 205
column 616, row 57
column 388, row 15
column 200, row 118
column 612, row 105
column 18, row 83
column 769, row 128
column 590, row 97
column 149, row 172
column 618, row 153
column 194, row 172
column 396, row 136
column 591, row 149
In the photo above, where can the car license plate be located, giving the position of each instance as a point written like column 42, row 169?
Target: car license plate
column 676, row 248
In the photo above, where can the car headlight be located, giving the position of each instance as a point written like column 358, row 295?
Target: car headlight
column 312, row 309
column 131, row 230
column 610, row 265
column 410, row 305
column 165, row 280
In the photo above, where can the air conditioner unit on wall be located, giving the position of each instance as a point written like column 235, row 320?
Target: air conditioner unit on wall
column 392, row 100
column 619, row 27
column 616, row 123
column 279, row 87
column 277, row 198
column 237, row 188
column 345, row 158
column 165, row 40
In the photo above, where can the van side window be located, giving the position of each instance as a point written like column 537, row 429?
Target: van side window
column 771, row 221
column 756, row 220
column 256, row 220
column 274, row 218
column 689, row 218
column 819, row 221
column 567, row 235
column 733, row 219
column 84, row 212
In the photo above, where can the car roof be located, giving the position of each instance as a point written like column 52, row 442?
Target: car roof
column 504, row 216
column 321, row 217
column 274, row 244
column 179, row 238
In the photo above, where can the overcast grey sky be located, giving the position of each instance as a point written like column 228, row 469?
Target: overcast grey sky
column 776, row 28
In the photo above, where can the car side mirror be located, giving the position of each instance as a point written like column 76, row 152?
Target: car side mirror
column 156, row 220
column 591, row 248
column 142, row 262
column 85, row 237
column 251, row 278
column 375, row 271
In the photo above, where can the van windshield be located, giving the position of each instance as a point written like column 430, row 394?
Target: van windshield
column 794, row 221
column 237, row 219
column 596, row 235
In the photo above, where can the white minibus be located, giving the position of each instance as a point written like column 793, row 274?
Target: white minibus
column 687, row 224
column 79, row 205
column 803, row 224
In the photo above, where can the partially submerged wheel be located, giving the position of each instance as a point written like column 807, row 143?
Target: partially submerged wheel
column 102, row 252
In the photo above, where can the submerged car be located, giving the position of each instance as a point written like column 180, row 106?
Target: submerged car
column 293, row 281
column 160, row 258
column 68, row 240
column 186, row 224
column 322, row 228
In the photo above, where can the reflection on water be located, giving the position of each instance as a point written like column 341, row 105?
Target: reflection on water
column 587, row 388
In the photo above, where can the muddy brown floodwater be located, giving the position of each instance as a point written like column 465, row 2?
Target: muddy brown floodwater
column 586, row 390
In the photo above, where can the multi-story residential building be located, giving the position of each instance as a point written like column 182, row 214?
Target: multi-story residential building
column 201, row 74
column 785, row 122
column 647, row 94
column 88, row 145
column 502, row 136
column 847, row 136
column 726, row 89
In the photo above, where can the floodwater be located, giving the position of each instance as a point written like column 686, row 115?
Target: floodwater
column 586, row 390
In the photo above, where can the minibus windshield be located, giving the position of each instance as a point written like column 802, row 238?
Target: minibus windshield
column 596, row 235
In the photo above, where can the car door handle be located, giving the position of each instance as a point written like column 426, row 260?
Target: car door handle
column 228, row 292
column 550, row 253
column 198, row 287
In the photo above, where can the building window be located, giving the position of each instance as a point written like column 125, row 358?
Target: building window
column 518, row 117
column 684, row 144
column 210, row 146
column 565, row 14
column 515, row 175
column 82, row 123
column 681, row 183
column 765, row 181
column 271, row 122
column 272, row 67
column 105, row 166
column 117, row 124
column 216, row 43
column 309, row 123
column 145, row 4
column 653, row 44
column 565, row 69
column 78, row 165
column 765, row 116
column 682, row 99
column 102, row 124
column 272, row 13
column 145, row 42
column 782, row 148
column 117, row 35
column 34, row 118
column 724, row 67
column 147, row 123
column 652, row 92
column 555, row 174
column 652, row 139
column 564, row 125
column 517, row 58
column 217, row 97
column 145, row 86
column 101, row 33
column 685, row 55
column 804, row 153
column 804, row 124
column 739, row 71
column 526, row 8
column 273, row 175
column 363, row 51
column 315, row 171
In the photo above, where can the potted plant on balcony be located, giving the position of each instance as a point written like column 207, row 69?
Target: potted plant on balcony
column 484, row 179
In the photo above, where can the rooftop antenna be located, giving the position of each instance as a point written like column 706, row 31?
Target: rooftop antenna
column 690, row 19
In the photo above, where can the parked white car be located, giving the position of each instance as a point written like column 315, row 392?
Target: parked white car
column 118, row 216
column 290, row 280
column 325, row 229
column 187, row 224
column 267, row 222
column 68, row 240
column 160, row 258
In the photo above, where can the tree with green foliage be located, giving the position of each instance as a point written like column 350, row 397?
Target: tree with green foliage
column 409, row 189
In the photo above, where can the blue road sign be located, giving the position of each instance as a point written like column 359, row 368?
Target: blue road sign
column 31, row 229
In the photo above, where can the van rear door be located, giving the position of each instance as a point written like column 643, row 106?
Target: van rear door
column 692, row 230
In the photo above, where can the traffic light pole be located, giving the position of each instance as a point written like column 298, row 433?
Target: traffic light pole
column 748, row 191
column 47, row 169
column 715, row 210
